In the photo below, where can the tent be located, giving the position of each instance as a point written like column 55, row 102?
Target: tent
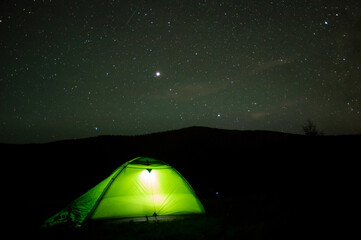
column 142, row 187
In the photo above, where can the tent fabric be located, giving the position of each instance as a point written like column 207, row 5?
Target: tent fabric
column 142, row 187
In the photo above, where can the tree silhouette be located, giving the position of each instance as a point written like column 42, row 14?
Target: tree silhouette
column 310, row 129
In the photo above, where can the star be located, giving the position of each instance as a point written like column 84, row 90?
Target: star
column 230, row 72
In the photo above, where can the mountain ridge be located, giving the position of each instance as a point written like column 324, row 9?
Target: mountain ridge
column 192, row 129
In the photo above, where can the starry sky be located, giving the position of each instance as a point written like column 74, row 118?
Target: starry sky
column 74, row 69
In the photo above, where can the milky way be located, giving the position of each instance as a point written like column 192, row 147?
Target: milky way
column 73, row 69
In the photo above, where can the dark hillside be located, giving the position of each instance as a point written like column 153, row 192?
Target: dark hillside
column 273, row 173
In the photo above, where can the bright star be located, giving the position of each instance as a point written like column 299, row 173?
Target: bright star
column 157, row 74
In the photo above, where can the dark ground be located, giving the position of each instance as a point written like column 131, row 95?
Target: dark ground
column 270, row 185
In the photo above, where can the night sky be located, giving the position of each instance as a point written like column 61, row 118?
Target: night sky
column 74, row 69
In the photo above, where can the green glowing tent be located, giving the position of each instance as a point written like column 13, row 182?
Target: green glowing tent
column 142, row 187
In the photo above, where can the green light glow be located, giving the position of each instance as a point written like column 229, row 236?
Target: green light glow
column 149, row 179
column 161, row 191
column 135, row 190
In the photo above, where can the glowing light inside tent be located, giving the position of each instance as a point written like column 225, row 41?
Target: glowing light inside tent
column 159, row 199
column 149, row 178
column 150, row 182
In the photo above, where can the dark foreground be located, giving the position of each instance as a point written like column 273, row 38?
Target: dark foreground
column 249, row 217
column 256, row 217
column 191, row 228
column 253, row 185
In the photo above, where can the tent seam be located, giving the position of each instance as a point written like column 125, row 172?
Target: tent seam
column 90, row 214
